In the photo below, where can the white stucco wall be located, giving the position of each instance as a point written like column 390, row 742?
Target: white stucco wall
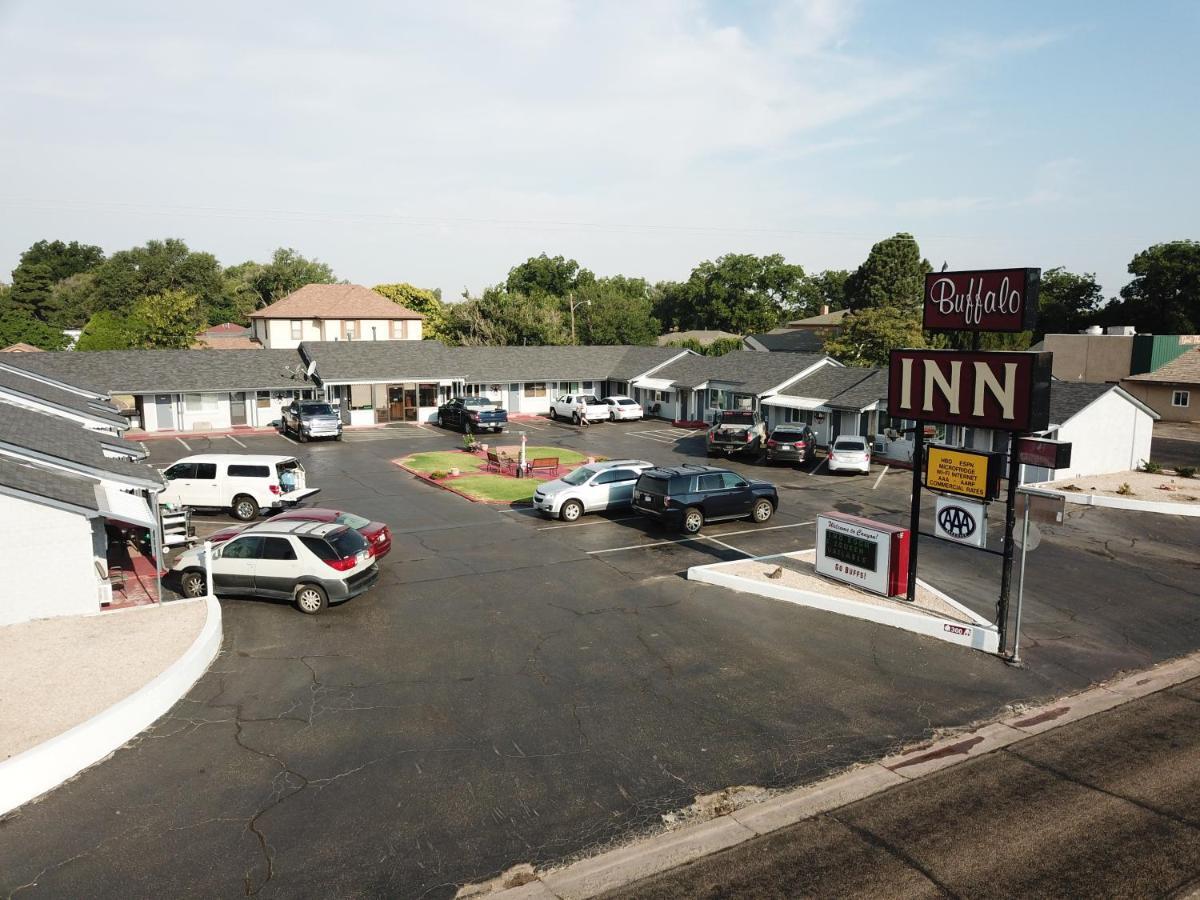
column 62, row 548
column 1111, row 435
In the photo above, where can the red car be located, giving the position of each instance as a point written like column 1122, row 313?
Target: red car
column 379, row 539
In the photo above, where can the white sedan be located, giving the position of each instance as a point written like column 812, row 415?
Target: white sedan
column 622, row 409
column 850, row 454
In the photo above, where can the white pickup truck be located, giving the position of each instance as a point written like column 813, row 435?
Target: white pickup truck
column 567, row 407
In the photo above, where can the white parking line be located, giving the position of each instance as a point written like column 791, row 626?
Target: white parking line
column 593, row 522
column 880, row 478
column 286, row 438
column 236, row 441
column 525, row 423
column 697, row 537
column 728, row 546
column 813, row 470
column 185, row 443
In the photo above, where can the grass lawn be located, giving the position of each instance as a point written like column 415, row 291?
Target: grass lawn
column 565, row 457
column 442, row 461
column 496, row 487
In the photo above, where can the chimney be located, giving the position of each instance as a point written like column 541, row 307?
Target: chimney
column 824, row 309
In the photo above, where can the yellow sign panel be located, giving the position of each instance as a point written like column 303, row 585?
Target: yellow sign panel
column 957, row 471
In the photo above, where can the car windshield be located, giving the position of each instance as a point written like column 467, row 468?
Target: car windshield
column 353, row 521
column 476, row 401
column 317, row 409
column 737, row 418
column 579, row 476
column 584, row 398
column 347, row 542
column 625, row 401
column 788, row 436
column 856, row 443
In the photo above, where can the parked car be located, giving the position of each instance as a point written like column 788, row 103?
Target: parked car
column 311, row 419
column 310, row 563
column 567, row 407
column 244, row 484
column 472, row 414
column 590, row 488
column 791, row 443
column 623, row 409
column 379, row 537
column 690, row 495
column 850, row 453
column 736, row 431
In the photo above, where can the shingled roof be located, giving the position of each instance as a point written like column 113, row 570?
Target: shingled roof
column 19, row 479
column 41, row 436
column 751, row 371
column 335, row 301
column 22, row 386
column 826, row 382
column 798, row 341
column 1183, row 369
column 166, row 371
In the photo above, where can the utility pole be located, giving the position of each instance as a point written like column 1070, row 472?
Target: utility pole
column 573, row 304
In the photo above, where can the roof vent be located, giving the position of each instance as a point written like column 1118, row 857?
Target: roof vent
column 1122, row 330
column 1093, row 329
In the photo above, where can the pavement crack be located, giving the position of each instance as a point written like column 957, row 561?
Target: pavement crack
column 880, row 843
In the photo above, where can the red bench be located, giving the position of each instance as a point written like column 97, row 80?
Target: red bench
column 544, row 462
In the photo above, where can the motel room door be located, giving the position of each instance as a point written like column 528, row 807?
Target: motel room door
column 164, row 412
column 396, row 402
column 237, row 408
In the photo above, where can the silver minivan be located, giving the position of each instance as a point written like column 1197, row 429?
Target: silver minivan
column 590, row 488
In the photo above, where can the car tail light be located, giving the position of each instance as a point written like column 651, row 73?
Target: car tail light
column 275, row 489
column 800, row 445
column 772, row 443
column 666, row 502
column 342, row 565
column 474, row 416
column 748, row 436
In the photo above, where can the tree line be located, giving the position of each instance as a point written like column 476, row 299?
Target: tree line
column 161, row 294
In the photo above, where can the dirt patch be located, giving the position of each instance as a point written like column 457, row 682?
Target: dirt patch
column 1155, row 488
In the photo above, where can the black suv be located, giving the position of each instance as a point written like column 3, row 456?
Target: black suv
column 791, row 443
column 690, row 495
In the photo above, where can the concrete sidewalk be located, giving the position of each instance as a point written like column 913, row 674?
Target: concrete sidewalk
column 58, row 673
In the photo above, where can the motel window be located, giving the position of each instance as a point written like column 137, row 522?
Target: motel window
column 398, row 330
column 587, row 386
column 428, row 394
column 1180, row 398
column 201, row 403
column 659, row 396
column 297, row 329
column 792, row 416
column 535, row 389
column 263, row 400
column 350, row 331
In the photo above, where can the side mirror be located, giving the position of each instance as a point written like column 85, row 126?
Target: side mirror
column 216, row 552
column 743, row 484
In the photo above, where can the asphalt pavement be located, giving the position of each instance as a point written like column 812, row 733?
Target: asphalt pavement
column 514, row 690
column 1105, row 807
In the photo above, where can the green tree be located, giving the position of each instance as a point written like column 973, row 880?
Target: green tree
column 31, row 290
column 542, row 274
column 616, row 310
column 826, row 288
column 502, row 318
column 166, row 321
column 70, row 300
column 106, row 330
column 288, row 271
column 1164, row 295
column 868, row 335
column 719, row 347
column 1067, row 302
column 892, row 275
column 740, row 292
column 426, row 302
column 64, row 260
column 159, row 266
column 20, row 327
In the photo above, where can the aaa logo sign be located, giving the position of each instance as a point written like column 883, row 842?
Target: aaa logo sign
column 963, row 521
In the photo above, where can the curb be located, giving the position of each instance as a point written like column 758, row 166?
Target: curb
column 42, row 768
column 626, row 865
column 1150, row 506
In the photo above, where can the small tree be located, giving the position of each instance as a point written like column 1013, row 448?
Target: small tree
column 17, row 327
column 869, row 335
column 426, row 302
column 106, row 330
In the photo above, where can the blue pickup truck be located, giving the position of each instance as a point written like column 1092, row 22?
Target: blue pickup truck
column 472, row 414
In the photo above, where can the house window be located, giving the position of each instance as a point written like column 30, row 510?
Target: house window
column 297, row 329
column 427, row 394
column 201, row 403
column 1180, row 398
column 263, row 401
column 349, row 331
column 398, row 330
column 535, row 389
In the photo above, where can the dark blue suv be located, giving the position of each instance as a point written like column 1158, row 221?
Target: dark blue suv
column 690, row 495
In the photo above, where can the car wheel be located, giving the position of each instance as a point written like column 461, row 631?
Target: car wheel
column 194, row 583
column 693, row 520
column 302, row 437
column 553, row 415
column 244, row 508
column 438, row 421
column 571, row 511
column 762, row 512
column 310, row 599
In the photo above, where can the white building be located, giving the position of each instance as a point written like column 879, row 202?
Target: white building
column 333, row 312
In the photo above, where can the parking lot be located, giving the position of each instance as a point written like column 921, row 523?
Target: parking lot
column 515, row 689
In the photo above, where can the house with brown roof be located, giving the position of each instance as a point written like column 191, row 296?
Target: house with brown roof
column 1172, row 390
column 226, row 336
column 21, row 347
column 333, row 312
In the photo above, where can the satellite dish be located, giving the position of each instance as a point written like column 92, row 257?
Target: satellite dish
column 891, row 434
column 312, row 367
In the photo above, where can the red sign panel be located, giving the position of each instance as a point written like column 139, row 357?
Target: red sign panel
column 985, row 300
column 980, row 389
column 1044, row 453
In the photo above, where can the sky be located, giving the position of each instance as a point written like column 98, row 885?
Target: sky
column 441, row 144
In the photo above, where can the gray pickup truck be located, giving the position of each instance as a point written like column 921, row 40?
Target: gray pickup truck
column 311, row 419
column 736, row 431
column 472, row 414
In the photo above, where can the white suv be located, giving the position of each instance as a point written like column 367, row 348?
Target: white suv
column 596, row 486
column 242, row 483
column 568, row 405
column 309, row 563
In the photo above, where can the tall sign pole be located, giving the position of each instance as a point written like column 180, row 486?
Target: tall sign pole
column 914, row 516
column 1010, row 524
